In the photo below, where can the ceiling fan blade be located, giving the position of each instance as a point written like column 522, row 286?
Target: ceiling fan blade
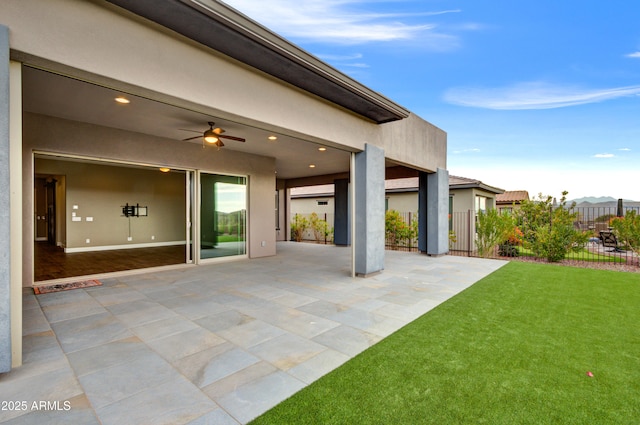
column 191, row 138
column 219, row 144
column 237, row 139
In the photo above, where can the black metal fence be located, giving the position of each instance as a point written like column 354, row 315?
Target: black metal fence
column 595, row 221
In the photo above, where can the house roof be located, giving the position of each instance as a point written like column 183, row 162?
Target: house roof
column 222, row 28
column 409, row 184
column 511, row 196
column 456, row 182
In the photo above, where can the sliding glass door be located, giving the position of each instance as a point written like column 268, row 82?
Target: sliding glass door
column 223, row 215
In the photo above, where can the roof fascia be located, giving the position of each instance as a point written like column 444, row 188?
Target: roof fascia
column 228, row 31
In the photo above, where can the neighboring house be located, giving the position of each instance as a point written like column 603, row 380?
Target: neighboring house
column 471, row 195
column 111, row 118
column 511, row 199
column 465, row 195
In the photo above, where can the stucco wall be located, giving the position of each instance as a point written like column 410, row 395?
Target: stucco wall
column 47, row 134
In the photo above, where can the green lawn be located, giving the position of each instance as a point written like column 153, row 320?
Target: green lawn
column 515, row 348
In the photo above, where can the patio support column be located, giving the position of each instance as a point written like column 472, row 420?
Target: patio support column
column 433, row 235
column 369, row 207
column 5, row 211
column 341, row 222
column 422, row 211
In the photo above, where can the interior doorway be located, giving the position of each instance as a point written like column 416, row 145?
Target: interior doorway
column 95, row 217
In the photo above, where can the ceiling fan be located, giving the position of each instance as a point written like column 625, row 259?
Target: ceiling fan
column 214, row 136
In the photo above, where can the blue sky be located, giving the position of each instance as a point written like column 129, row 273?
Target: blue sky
column 541, row 96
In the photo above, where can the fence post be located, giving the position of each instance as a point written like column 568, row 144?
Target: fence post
column 469, row 233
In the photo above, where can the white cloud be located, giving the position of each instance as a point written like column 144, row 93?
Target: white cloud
column 465, row 150
column 533, row 95
column 633, row 55
column 624, row 149
column 339, row 21
column 603, row 155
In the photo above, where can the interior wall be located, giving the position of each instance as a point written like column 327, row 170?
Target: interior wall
column 54, row 135
column 95, row 195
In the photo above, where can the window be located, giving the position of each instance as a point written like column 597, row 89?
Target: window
column 481, row 204
column 323, row 202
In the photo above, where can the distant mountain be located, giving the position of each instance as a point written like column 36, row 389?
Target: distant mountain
column 597, row 200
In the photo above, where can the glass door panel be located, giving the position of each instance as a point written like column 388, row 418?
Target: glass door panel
column 223, row 215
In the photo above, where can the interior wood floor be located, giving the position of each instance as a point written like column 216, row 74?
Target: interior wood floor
column 51, row 262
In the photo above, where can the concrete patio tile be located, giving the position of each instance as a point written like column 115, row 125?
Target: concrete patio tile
column 307, row 325
column 254, row 398
column 109, row 385
column 29, row 300
column 323, row 308
column 62, row 297
column 318, row 366
column 183, row 344
column 287, row 351
column 34, row 321
column 195, row 307
column 107, row 355
column 174, row 402
column 41, row 354
column 140, row 312
column 252, row 333
column 293, row 300
column 81, row 308
column 222, row 321
column 230, row 383
column 167, row 292
column 163, row 328
column 215, row 417
column 211, row 365
column 116, row 295
column 347, row 340
column 90, row 331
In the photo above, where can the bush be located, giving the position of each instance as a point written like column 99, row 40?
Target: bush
column 492, row 228
column 298, row 226
column 320, row 227
column 627, row 230
column 549, row 232
column 397, row 231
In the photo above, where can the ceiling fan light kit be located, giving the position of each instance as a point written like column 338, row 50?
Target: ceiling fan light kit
column 213, row 136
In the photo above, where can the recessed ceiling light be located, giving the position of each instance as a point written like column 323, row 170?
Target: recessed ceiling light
column 272, row 137
column 312, row 165
column 322, row 149
column 165, row 169
column 122, row 100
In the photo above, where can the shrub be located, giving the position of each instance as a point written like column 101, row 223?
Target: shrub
column 320, row 227
column 397, row 231
column 627, row 230
column 549, row 232
column 492, row 228
column 299, row 225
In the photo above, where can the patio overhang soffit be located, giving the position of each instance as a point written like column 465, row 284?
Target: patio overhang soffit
column 226, row 30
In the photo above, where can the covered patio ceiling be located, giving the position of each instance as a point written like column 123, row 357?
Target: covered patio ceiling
column 55, row 95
